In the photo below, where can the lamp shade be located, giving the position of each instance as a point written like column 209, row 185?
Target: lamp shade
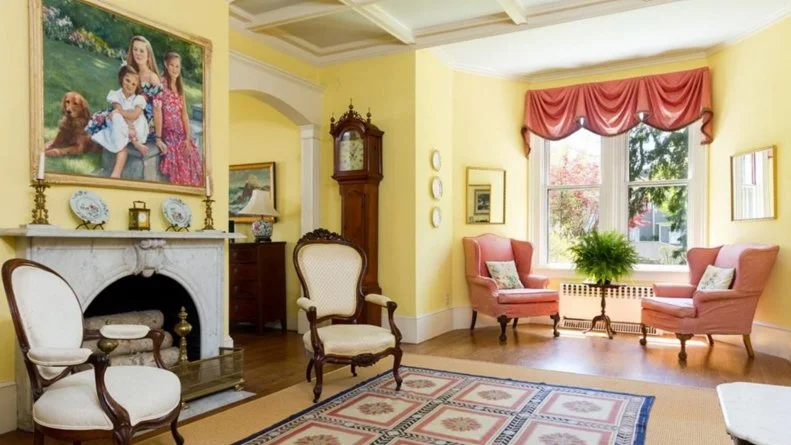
column 259, row 204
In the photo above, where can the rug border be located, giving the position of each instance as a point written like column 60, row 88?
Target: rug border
column 640, row 427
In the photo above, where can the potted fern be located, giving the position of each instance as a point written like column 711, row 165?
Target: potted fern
column 603, row 257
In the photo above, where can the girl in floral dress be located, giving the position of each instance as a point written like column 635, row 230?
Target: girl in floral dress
column 182, row 162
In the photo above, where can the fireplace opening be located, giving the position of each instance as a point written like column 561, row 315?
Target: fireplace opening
column 158, row 292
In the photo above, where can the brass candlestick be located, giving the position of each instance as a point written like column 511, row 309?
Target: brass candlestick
column 182, row 328
column 40, row 212
column 208, row 222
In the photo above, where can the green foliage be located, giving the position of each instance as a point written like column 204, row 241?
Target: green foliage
column 658, row 155
column 93, row 28
column 603, row 257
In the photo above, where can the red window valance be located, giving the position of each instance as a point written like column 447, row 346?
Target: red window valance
column 667, row 101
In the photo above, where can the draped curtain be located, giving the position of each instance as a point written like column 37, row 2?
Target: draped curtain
column 668, row 102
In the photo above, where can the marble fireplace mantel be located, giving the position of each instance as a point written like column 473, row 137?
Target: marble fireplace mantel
column 91, row 260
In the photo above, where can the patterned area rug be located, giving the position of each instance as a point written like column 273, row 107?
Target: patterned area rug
column 441, row 407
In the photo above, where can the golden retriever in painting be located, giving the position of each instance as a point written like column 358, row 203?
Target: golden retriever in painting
column 72, row 138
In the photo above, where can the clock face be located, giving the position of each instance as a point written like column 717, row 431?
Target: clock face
column 350, row 151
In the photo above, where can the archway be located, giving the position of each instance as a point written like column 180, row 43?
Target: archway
column 298, row 100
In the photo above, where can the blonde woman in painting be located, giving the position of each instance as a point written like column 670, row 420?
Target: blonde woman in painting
column 140, row 56
column 182, row 162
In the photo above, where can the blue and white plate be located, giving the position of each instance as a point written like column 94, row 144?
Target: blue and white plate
column 177, row 212
column 89, row 207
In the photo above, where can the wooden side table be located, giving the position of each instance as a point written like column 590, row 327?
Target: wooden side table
column 603, row 316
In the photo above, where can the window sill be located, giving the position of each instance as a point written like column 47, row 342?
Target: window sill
column 641, row 274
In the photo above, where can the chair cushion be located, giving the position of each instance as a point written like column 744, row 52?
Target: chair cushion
column 72, row 403
column 505, row 274
column 716, row 278
column 677, row 307
column 523, row 296
column 352, row 339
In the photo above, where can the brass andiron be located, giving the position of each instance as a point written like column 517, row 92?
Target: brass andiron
column 107, row 345
column 208, row 223
column 182, row 328
column 40, row 212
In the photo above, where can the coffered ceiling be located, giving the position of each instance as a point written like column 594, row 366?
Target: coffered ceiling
column 514, row 38
column 326, row 31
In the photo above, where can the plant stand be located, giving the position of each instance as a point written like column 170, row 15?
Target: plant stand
column 603, row 317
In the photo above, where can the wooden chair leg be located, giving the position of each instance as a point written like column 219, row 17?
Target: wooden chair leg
column 319, row 365
column 516, row 320
column 38, row 436
column 396, row 367
column 749, row 345
column 122, row 436
column 555, row 320
column 307, row 371
column 683, row 354
column 174, row 430
column 474, row 319
column 644, row 330
column 503, row 323
column 711, row 339
column 354, row 370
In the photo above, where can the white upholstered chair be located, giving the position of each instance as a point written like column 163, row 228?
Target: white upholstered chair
column 104, row 402
column 331, row 270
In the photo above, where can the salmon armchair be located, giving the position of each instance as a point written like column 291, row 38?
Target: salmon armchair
column 687, row 311
column 505, row 304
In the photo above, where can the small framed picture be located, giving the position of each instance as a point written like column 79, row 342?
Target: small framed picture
column 243, row 179
column 482, row 199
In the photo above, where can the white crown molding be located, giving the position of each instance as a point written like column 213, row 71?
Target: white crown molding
column 772, row 20
column 515, row 10
column 610, row 67
column 276, row 43
column 271, row 69
column 447, row 59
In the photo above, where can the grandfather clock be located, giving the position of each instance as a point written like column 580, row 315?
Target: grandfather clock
column 358, row 170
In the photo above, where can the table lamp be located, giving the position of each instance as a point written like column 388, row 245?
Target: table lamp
column 260, row 205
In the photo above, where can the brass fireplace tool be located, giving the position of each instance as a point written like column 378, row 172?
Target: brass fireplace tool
column 182, row 328
column 40, row 212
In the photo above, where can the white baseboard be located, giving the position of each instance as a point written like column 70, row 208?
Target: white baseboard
column 766, row 338
column 7, row 406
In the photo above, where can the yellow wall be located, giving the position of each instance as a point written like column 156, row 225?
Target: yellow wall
column 386, row 85
column 259, row 133
column 752, row 103
column 209, row 21
column 487, row 120
column 433, row 131
column 250, row 47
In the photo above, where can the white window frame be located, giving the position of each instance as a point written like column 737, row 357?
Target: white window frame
column 613, row 202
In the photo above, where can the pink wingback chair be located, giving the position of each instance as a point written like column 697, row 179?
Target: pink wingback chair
column 683, row 309
column 506, row 304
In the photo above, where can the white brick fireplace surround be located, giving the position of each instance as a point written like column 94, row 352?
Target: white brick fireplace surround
column 92, row 260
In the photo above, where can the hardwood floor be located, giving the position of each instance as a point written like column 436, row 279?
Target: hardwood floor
column 275, row 360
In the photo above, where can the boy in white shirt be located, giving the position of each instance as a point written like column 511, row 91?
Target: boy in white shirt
column 127, row 121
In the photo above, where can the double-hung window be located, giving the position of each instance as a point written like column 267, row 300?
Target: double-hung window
column 648, row 184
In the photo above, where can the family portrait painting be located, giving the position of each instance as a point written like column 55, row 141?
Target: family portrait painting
column 123, row 101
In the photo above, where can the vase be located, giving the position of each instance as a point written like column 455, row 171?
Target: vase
column 262, row 229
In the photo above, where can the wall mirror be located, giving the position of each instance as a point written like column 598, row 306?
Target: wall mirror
column 485, row 195
column 753, row 185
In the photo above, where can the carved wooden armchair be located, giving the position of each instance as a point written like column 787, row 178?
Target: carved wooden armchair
column 105, row 402
column 330, row 269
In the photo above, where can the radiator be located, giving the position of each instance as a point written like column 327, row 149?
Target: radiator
column 580, row 303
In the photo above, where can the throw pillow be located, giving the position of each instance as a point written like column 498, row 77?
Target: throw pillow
column 504, row 273
column 716, row 278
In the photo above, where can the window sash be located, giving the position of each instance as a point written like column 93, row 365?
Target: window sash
column 613, row 193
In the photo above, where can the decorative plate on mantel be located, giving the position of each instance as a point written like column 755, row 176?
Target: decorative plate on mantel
column 89, row 207
column 177, row 212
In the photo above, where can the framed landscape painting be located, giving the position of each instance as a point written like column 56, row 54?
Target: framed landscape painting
column 121, row 101
column 243, row 179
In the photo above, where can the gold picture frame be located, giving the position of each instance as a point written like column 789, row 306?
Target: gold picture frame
column 99, row 177
column 239, row 180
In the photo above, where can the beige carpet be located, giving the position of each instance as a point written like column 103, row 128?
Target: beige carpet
column 680, row 415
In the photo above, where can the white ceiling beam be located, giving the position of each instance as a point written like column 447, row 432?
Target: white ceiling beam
column 293, row 13
column 515, row 10
column 384, row 20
